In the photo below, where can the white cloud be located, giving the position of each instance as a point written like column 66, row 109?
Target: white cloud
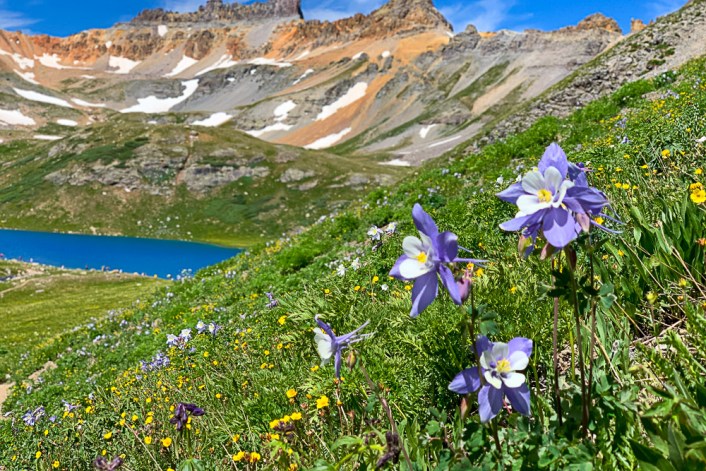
column 13, row 20
column 331, row 10
column 486, row 15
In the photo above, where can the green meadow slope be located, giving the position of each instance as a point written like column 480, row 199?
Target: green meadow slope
column 644, row 147
column 164, row 180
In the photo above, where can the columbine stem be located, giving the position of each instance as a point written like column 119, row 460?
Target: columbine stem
column 579, row 344
column 555, row 353
column 494, row 428
column 593, row 331
column 388, row 411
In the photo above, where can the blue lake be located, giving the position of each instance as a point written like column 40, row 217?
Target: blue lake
column 129, row 254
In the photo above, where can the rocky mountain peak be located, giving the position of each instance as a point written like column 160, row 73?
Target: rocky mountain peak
column 597, row 21
column 416, row 12
column 217, row 11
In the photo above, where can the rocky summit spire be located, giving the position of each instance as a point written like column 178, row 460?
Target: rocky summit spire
column 414, row 12
column 217, row 11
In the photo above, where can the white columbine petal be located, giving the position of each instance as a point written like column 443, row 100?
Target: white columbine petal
column 553, row 179
column 323, row 345
column 559, row 197
column 486, row 359
column 493, row 380
column 518, row 361
column 412, row 269
column 513, row 380
column 500, row 351
column 533, row 182
column 530, row 204
column 412, row 246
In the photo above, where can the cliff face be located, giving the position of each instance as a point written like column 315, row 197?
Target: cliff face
column 215, row 11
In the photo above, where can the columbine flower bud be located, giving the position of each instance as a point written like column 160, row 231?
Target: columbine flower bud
column 351, row 360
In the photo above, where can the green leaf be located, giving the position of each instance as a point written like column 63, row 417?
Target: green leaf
column 650, row 459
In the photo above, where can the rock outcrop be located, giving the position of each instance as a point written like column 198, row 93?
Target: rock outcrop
column 215, row 11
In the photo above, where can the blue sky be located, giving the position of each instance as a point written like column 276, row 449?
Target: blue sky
column 64, row 17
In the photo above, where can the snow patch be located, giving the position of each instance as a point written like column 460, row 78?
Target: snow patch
column 122, row 64
column 266, row 61
column 397, row 163
column 109, row 44
column 162, row 30
column 282, row 111
column 86, row 104
column 272, row 128
column 224, row 62
column 152, row 104
column 67, row 122
column 354, row 94
column 28, row 76
column 15, row 117
column 41, row 98
column 425, row 131
column 184, row 64
column 53, row 62
column 46, row 137
column 21, row 61
column 328, row 141
column 357, row 56
column 447, row 141
column 214, row 120
column 386, row 54
column 302, row 55
column 303, row 76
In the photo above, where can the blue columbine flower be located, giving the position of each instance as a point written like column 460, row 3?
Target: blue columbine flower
column 500, row 365
column 329, row 345
column 424, row 259
column 555, row 198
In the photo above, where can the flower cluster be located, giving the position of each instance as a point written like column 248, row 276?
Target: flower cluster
column 212, row 328
column 159, row 361
column 31, row 418
column 425, row 260
column 556, row 199
column 497, row 376
column 180, row 340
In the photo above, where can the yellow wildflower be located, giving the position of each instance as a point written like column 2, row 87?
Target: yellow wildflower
column 291, row 393
column 322, row 402
column 166, row 442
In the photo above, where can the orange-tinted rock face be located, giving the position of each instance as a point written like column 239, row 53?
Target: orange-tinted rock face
column 636, row 26
column 596, row 21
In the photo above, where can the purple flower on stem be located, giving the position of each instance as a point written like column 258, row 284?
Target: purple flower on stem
column 500, row 364
column 181, row 414
column 329, row 345
column 424, row 259
column 547, row 200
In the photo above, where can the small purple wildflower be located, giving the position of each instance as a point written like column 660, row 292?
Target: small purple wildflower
column 102, row 464
column 424, row 259
column 273, row 302
column 31, row 418
column 329, row 345
column 181, row 414
column 500, row 364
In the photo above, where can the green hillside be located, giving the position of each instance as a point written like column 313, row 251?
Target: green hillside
column 270, row 405
column 170, row 181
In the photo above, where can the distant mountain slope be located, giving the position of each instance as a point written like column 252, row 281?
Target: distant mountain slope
column 390, row 89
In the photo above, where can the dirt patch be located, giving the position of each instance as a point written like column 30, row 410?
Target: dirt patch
column 6, row 388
